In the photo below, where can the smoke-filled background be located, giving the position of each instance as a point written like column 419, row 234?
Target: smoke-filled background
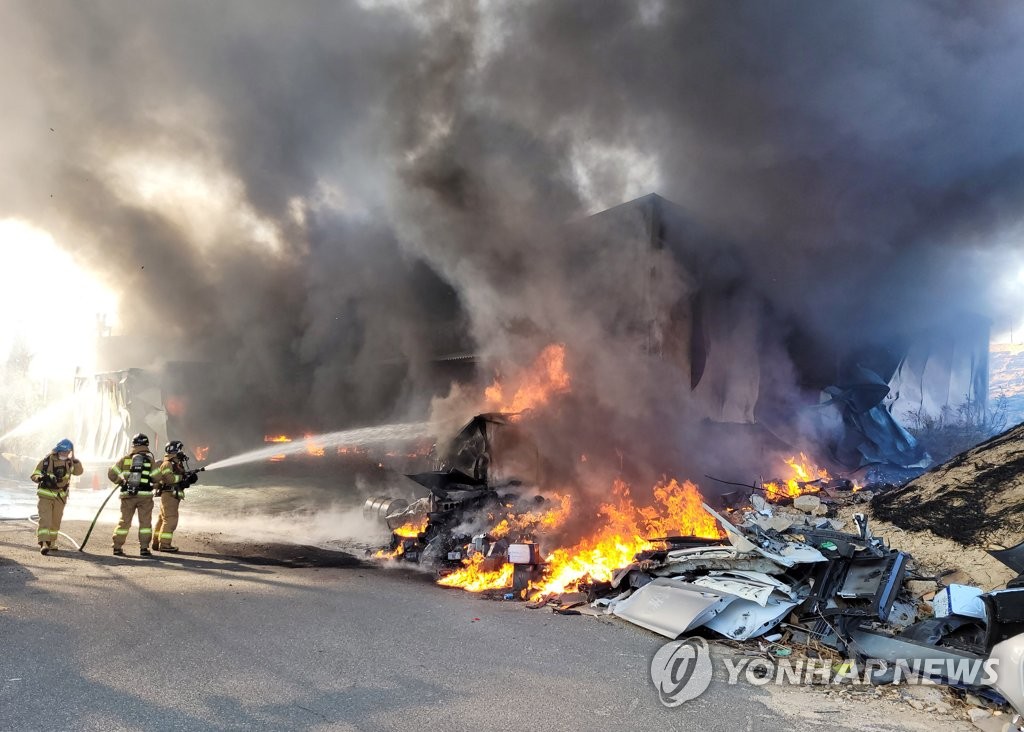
column 317, row 201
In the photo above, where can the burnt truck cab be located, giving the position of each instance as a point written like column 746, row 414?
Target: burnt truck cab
column 482, row 470
column 494, row 449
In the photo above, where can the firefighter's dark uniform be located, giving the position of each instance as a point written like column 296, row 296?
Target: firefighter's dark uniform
column 53, row 497
column 133, row 473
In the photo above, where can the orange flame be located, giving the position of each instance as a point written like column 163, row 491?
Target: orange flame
column 201, row 452
column 803, row 472
column 474, row 579
column 312, row 448
column 625, row 532
column 409, row 530
column 470, row 577
column 277, row 438
column 385, row 554
column 174, row 406
column 545, row 378
column 412, row 529
column 527, row 523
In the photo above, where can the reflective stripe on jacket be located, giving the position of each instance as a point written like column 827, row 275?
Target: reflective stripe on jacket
column 169, row 474
column 62, row 470
column 122, row 470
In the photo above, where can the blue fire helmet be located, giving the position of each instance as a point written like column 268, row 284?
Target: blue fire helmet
column 64, row 446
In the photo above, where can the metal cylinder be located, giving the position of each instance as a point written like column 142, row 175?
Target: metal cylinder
column 378, row 508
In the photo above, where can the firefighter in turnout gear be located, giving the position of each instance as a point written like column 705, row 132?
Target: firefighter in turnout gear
column 53, row 476
column 133, row 473
column 170, row 480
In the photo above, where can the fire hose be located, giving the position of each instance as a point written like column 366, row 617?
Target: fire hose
column 34, row 518
column 116, row 488
column 88, row 533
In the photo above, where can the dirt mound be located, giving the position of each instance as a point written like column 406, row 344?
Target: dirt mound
column 975, row 499
column 938, row 556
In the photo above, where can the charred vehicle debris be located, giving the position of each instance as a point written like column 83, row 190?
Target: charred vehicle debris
column 436, row 530
column 790, row 573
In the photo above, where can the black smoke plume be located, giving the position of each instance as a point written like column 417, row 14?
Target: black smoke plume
column 318, row 202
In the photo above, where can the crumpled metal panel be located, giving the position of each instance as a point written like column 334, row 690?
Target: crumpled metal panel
column 1009, row 655
column 670, row 607
column 717, row 552
column 759, row 577
column 789, row 553
column 754, row 586
column 719, row 557
column 750, row 562
column 745, row 590
column 794, row 553
column 898, row 649
column 744, row 619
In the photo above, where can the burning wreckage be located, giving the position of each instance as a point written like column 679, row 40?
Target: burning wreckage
column 433, row 530
column 778, row 563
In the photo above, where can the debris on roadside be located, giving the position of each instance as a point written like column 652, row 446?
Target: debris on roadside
column 792, row 570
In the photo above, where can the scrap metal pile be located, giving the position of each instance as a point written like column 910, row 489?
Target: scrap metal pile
column 844, row 589
column 779, row 564
column 792, row 560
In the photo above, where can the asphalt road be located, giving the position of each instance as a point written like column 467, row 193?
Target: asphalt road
column 265, row 636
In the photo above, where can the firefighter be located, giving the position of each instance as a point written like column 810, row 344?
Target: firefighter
column 170, row 480
column 53, row 475
column 133, row 473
